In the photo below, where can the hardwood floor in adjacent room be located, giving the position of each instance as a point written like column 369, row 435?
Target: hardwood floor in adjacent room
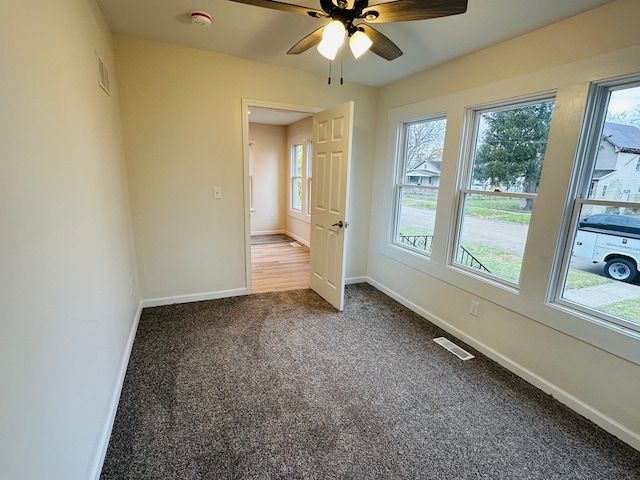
column 279, row 266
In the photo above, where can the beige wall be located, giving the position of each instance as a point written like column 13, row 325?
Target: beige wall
column 66, row 254
column 182, row 123
column 270, row 178
column 511, row 327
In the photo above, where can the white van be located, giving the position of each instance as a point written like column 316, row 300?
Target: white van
column 614, row 239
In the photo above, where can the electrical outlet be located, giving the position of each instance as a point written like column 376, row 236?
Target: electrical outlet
column 271, row 217
column 475, row 306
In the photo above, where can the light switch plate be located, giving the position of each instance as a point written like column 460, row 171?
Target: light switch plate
column 217, row 192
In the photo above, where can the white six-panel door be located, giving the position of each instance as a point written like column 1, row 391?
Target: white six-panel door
column 332, row 133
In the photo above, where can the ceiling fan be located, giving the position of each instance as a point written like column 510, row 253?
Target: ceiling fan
column 362, row 37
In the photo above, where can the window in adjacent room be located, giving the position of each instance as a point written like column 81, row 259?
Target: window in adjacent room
column 252, row 194
column 296, row 177
column 417, row 180
column 602, row 250
column 502, row 176
column 309, row 176
column 300, row 149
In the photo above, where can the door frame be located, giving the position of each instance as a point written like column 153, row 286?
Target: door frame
column 247, row 104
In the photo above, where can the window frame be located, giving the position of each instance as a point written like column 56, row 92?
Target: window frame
column 294, row 175
column 563, row 143
column 466, row 165
column 252, row 190
column 309, row 173
column 304, row 213
column 577, row 197
column 396, row 118
column 400, row 163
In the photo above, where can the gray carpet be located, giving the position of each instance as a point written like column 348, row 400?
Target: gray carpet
column 271, row 238
column 281, row 386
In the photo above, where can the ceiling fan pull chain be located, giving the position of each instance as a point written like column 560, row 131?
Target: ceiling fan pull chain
column 329, row 82
column 341, row 62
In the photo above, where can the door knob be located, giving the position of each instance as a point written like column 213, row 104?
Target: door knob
column 339, row 224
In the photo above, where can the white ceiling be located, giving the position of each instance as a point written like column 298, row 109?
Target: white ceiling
column 266, row 35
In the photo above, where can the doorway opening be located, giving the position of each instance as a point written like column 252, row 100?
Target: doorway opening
column 278, row 188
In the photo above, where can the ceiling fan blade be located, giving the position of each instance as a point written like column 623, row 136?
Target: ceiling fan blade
column 381, row 46
column 285, row 7
column 307, row 42
column 407, row 10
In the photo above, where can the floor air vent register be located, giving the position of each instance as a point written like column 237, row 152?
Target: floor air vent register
column 453, row 348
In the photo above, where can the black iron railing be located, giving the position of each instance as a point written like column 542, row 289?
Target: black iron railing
column 423, row 242
column 466, row 258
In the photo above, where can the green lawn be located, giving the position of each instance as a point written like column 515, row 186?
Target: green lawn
column 507, row 265
column 627, row 309
column 502, row 264
column 414, row 231
column 505, row 216
column 418, row 201
column 496, row 203
column 579, row 279
column 506, row 209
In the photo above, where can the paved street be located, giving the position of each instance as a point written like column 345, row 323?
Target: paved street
column 506, row 236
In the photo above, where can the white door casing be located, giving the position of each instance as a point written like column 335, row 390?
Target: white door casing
column 332, row 138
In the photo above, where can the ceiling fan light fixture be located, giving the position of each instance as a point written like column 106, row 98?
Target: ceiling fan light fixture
column 371, row 15
column 359, row 43
column 332, row 39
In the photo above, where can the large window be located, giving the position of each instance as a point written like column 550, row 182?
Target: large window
column 300, row 177
column 502, row 176
column 296, row 176
column 602, row 254
column 252, row 193
column 417, row 182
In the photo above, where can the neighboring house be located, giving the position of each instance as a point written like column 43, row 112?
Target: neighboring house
column 617, row 171
column 425, row 173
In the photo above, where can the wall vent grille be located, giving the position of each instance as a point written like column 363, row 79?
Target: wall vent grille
column 453, row 348
column 103, row 75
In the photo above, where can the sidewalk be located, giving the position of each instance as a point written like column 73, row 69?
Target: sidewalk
column 603, row 294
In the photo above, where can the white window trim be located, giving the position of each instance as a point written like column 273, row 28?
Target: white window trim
column 306, row 143
column 252, row 191
column 595, row 114
column 581, row 323
column 530, row 301
column 398, row 118
column 466, row 163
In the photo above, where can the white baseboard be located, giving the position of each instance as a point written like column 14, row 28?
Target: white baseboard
column 352, row 280
column 269, row 232
column 298, row 239
column 101, row 450
column 195, row 297
column 610, row 425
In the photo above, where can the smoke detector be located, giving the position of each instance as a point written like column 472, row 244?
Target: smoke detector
column 201, row 18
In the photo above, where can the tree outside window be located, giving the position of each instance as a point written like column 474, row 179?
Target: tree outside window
column 504, row 169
